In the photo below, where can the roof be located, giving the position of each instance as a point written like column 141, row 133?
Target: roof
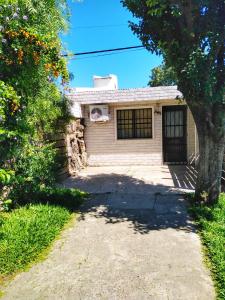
column 125, row 95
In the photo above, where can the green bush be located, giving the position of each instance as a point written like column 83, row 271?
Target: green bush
column 69, row 198
column 37, row 164
column 5, row 176
column 35, row 169
column 32, row 104
column 7, row 205
column 211, row 222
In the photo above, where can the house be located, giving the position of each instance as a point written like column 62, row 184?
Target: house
column 137, row 126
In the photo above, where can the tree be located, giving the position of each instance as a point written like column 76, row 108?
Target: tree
column 30, row 99
column 190, row 35
column 162, row 76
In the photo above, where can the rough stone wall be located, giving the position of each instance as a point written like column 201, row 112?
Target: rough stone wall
column 76, row 149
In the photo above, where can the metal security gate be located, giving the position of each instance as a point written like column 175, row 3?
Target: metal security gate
column 175, row 134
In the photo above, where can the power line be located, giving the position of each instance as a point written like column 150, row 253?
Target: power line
column 101, row 51
column 107, row 54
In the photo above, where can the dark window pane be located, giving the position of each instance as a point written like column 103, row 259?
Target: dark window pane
column 174, row 124
column 134, row 123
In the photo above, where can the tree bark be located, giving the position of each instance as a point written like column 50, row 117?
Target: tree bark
column 211, row 136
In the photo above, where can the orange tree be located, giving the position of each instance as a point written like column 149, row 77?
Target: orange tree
column 30, row 97
column 190, row 35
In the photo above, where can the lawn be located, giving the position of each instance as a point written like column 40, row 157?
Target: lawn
column 27, row 231
column 211, row 224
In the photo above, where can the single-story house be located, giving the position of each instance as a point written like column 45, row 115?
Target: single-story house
column 137, row 126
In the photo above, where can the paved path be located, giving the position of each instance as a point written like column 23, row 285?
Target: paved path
column 134, row 241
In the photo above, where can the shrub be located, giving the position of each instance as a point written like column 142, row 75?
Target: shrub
column 31, row 101
column 69, row 198
column 6, row 177
column 35, row 169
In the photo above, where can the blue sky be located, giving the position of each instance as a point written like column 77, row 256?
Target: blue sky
column 132, row 68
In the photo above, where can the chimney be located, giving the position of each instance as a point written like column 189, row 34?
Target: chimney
column 109, row 82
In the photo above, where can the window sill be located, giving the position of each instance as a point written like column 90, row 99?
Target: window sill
column 134, row 139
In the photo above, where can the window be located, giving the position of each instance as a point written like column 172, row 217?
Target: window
column 134, row 123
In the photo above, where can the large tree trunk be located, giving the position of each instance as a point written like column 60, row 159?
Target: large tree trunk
column 211, row 134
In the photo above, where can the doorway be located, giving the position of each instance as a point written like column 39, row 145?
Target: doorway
column 175, row 134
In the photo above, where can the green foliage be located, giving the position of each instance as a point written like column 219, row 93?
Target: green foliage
column 43, row 112
column 30, row 42
column 7, row 205
column 37, row 163
column 26, row 232
column 190, row 35
column 162, row 76
column 9, row 102
column 31, row 102
column 211, row 222
column 6, row 176
column 35, row 170
column 69, row 198
column 9, row 106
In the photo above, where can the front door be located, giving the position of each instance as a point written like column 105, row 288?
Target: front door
column 175, row 134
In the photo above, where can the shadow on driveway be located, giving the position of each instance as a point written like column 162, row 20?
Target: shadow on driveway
column 154, row 202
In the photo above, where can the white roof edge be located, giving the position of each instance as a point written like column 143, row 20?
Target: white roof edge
column 158, row 99
column 92, row 89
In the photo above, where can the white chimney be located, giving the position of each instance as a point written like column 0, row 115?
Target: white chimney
column 109, row 82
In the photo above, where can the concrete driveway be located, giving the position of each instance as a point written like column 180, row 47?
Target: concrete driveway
column 135, row 179
column 134, row 240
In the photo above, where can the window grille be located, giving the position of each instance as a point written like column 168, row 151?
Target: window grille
column 134, row 123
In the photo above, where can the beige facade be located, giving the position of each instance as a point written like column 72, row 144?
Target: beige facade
column 104, row 149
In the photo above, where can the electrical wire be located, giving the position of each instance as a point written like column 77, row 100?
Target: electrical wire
column 107, row 54
column 101, row 51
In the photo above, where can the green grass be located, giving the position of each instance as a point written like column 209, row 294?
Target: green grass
column 27, row 231
column 211, row 224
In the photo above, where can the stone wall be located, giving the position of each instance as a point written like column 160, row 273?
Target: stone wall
column 70, row 146
column 76, row 149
